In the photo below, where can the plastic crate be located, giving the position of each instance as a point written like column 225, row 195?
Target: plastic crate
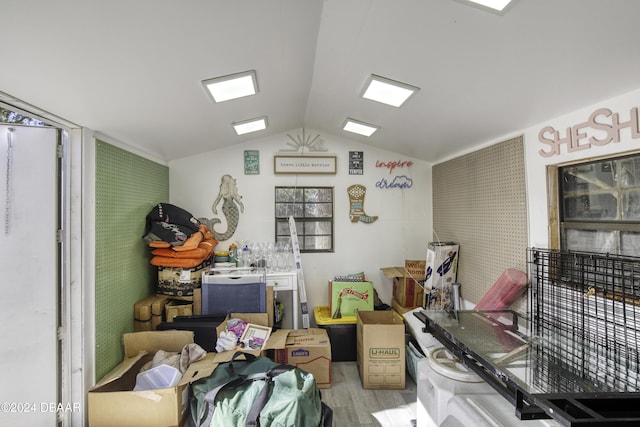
column 342, row 334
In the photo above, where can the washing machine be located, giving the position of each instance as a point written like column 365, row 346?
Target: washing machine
column 451, row 395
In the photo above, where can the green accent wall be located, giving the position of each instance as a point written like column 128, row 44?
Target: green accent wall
column 127, row 188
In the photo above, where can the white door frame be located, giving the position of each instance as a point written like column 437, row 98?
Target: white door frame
column 32, row 265
column 76, row 312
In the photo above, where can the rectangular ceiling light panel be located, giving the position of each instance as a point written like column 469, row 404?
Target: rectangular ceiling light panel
column 232, row 86
column 388, row 91
column 360, row 128
column 251, row 125
column 494, row 5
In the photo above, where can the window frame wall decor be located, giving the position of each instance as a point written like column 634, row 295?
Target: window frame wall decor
column 599, row 205
column 313, row 210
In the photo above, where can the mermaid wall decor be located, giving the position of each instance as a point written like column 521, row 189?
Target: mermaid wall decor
column 231, row 208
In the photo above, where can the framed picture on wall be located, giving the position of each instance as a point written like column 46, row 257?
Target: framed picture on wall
column 304, row 164
column 251, row 162
column 356, row 162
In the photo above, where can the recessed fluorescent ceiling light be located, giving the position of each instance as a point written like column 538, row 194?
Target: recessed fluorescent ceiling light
column 251, row 125
column 361, row 128
column 232, row 86
column 388, row 91
column 498, row 5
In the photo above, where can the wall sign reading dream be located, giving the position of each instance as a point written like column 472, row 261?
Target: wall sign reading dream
column 304, row 164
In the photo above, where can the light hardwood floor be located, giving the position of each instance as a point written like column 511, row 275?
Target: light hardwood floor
column 354, row 406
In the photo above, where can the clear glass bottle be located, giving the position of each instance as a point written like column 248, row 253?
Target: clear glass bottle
column 233, row 254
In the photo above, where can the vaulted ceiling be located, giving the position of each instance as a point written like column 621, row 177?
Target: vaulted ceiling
column 132, row 70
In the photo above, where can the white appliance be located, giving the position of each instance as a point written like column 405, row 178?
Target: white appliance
column 486, row 410
column 451, row 395
column 440, row 378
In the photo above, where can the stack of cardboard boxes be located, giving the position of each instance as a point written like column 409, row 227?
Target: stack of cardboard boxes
column 374, row 339
column 378, row 337
column 149, row 312
column 339, row 319
column 178, row 293
column 424, row 283
column 113, row 402
column 408, row 285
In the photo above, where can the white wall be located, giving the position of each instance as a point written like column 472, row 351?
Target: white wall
column 401, row 232
column 536, row 163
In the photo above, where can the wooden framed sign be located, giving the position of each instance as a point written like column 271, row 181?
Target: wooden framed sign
column 304, row 164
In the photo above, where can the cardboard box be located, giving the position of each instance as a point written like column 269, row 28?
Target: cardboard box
column 306, row 348
column 270, row 308
column 148, row 312
column 277, row 339
column 395, row 305
column 197, row 301
column 441, row 273
column 309, row 350
column 180, row 282
column 111, row 402
column 407, row 282
column 175, row 308
column 381, row 349
column 346, row 298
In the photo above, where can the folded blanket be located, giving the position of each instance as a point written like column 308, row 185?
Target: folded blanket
column 159, row 244
column 204, row 249
column 208, row 235
column 161, row 261
column 195, row 239
column 193, row 242
column 191, row 253
column 209, row 243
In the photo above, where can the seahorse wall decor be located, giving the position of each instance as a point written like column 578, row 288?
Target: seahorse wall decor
column 231, row 208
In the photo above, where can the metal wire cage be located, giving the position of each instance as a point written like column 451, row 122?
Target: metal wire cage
column 585, row 309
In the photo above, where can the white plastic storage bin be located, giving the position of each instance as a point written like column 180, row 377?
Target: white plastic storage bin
column 162, row 376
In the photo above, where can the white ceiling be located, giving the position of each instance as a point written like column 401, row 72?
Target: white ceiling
column 132, row 70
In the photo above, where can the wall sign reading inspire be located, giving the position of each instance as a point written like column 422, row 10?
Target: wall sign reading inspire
column 601, row 127
column 304, row 164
